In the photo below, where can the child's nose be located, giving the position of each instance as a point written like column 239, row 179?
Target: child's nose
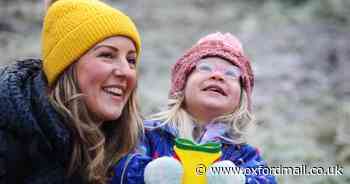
column 217, row 75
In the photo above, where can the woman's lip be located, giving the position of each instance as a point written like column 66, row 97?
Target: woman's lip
column 114, row 97
column 122, row 87
column 117, row 98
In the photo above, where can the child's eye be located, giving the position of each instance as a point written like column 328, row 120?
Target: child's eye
column 204, row 67
column 232, row 73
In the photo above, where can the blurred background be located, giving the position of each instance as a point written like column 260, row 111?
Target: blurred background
column 300, row 52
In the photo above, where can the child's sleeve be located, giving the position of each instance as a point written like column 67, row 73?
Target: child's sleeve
column 252, row 160
column 130, row 169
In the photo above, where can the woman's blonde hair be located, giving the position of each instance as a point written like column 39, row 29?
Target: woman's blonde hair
column 240, row 121
column 95, row 147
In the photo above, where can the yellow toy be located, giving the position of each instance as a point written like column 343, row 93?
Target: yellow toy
column 196, row 159
column 191, row 165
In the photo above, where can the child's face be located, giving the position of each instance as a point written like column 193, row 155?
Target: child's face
column 212, row 89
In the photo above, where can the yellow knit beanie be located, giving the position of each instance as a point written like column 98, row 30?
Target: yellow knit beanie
column 72, row 27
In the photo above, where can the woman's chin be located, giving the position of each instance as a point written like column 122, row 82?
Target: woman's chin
column 114, row 115
column 110, row 114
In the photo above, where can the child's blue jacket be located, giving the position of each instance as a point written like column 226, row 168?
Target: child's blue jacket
column 159, row 142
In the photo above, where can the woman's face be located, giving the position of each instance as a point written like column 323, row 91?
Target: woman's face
column 106, row 76
column 212, row 89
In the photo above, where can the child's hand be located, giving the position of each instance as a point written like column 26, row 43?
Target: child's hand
column 226, row 175
column 163, row 170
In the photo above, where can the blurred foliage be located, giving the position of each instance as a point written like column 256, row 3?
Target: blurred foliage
column 336, row 10
column 295, row 2
column 289, row 3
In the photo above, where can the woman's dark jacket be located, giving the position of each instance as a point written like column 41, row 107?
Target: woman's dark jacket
column 35, row 146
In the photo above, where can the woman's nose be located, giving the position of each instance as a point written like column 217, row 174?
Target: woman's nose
column 121, row 68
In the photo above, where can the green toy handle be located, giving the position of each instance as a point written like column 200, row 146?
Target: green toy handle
column 210, row 147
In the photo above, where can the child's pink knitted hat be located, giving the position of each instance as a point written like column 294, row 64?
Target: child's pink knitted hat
column 226, row 46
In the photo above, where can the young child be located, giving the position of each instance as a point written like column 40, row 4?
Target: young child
column 209, row 102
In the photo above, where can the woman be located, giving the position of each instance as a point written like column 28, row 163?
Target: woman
column 68, row 117
column 210, row 101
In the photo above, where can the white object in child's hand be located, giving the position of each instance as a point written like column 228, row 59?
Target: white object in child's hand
column 163, row 170
column 224, row 173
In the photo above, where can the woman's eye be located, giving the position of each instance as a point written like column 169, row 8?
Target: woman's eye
column 105, row 55
column 132, row 62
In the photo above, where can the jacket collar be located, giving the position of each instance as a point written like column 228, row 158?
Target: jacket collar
column 159, row 125
column 214, row 132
